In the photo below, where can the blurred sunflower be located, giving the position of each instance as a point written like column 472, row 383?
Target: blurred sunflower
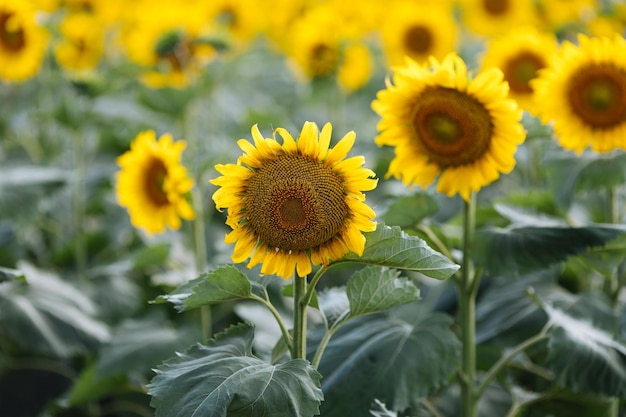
column 583, row 93
column 295, row 204
column 442, row 124
column 239, row 18
column 164, row 40
column 418, row 30
column 22, row 42
column 82, row 45
column 152, row 183
column 495, row 17
column 555, row 14
column 520, row 54
column 319, row 47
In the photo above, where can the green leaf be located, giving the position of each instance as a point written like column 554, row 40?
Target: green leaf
column 527, row 248
column 583, row 354
column 50, row 316
column 506, row 316
column 391, row 247
column 375, row 289
column 89, row 388
column 568, row 173
column 136, row 346
column 151, row 255
column 11, row 275
column 407, row 211
column 387, row 358
column 225, row 283
column 223, row 378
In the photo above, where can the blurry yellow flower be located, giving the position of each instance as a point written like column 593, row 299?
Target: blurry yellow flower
column 556, row 13
column 22, row 42
column 442, row 124
column 239, row 18
column 583, row 93
column 152, row 184
column 164, row 40
column 418, row 30
column 319, row 48
column 520, row 54
column 495, row 17
column 356, row 68
column 82, row 44
column 295, row 204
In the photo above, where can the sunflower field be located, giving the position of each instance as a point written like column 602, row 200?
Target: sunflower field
column 292, row 208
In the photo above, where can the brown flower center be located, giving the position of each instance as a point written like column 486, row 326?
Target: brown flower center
column 597, row 94
column 522, row 68
column 295, row 203
column 11, row 34
column 496, row 7
column 154, row 179
column 324, row 60
column 418, row 40
column 452, row 127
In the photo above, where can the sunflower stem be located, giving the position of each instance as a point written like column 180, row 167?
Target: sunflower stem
column 199, row 226
column 612, row 285
column 78, row 203
column 298, row 350
column 467, row 287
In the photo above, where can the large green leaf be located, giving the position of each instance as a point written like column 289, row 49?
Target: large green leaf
column 506, row 316
column 583, row 353
column 375, row 289
column 568, row 173
column 223, row 378
column 407, row 211
column 393, row 248
column 526, row 248
column 136, row 346
column 50, row 316
column 387, row 358
column 225, row 283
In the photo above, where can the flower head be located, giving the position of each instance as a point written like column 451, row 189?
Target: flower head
column 442, row 124
column 294, row 204
column 22, row 41
column 152, row 184
column 520, row 54
column 583, row 93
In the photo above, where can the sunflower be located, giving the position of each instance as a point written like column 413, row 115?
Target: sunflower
column 583, row 93
column 22, row 41
column 295, row 204
column 495, row 17
column 520, row 54
column 418, row 31
column 166, row 41
column 83, row 42
column 443, row 124
column 152, row 184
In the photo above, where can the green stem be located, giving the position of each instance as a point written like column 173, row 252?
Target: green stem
column 78, row 203
column 504, row 360
column 612, row 284
column 199, row 227
column 201, row 257
column 298, row 349
column 329, row 333
column 467, row 287
column 279, row 319
column 311, row 287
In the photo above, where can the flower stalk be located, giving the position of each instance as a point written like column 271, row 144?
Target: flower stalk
column 467, row 286
column 298, row 349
